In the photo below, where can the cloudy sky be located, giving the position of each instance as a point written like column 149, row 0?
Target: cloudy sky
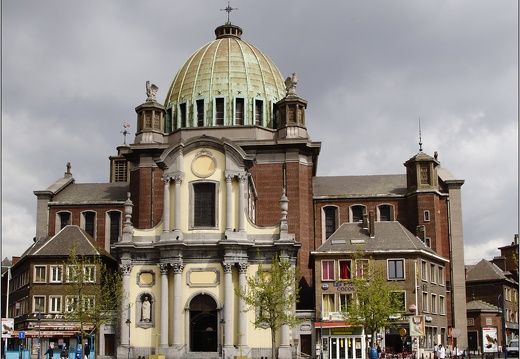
column 73, row 72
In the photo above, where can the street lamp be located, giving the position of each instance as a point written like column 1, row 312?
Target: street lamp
column 502, row 308
column 39, row 332
column 128, row 322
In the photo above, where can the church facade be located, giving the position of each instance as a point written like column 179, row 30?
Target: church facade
column 220, row 177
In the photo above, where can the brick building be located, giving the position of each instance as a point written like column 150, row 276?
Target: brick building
column 222, row 175
column 38, row 299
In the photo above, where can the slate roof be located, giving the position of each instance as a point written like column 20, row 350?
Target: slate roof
column 64, row 241
column 481, row 306
column 388, row 237
column 88, row 193
column 359, row 186
column 484, row 270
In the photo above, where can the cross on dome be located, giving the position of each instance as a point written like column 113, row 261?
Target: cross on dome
column 228, row 9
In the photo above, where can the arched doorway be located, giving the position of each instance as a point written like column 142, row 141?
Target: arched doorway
column 203, row 324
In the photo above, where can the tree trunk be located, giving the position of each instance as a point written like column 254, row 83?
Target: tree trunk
column 273, row 344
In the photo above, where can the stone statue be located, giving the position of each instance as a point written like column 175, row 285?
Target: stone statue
column 151, row 91
column 146, row 310
column 290, row 85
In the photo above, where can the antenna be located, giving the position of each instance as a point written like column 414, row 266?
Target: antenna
column 420, row 139
column 228, row 9
column 125, row 132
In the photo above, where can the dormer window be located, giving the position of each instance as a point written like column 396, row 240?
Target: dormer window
column 239, row 111
column 182, row 115
column 200, row 113
column 219, row 111
column 259, row 112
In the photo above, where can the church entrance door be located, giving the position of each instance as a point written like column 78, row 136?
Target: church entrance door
column 203, row 324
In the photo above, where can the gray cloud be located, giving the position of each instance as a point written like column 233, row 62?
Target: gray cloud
column 73, row 72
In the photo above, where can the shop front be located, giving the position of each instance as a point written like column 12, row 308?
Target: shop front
column 338, row 340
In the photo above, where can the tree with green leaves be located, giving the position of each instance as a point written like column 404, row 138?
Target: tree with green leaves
column 93, row 291
column 273, row 293
column 376, row 300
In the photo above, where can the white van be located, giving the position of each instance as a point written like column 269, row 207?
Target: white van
column 512, row 348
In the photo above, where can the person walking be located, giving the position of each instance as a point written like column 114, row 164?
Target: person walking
column 50, row 351
column 86, row 350
column 442, row 352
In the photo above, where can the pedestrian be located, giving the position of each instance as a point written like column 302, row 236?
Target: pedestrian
column 435, row 351
column 442, row 352
column 50, row 351
column 86, row 350
column 64, row 353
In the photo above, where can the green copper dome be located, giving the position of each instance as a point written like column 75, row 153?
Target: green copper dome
column 227, row 82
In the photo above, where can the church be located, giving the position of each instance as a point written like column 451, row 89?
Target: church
column 222, row 176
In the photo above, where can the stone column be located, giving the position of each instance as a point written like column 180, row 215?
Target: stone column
column 163, row 338
column 242, row 315
column 228, row 304
column 166, row 211
column 177, row 209
column 229, row 203
column 241, row 202
column 177, row 305
column 125, row 268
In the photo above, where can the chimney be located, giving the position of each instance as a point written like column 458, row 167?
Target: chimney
column 372, row 225
column 500, row 262
column 420, row 232
column 515, row 242
column 365, row 221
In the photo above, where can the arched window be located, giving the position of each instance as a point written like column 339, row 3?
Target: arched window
column 357, row 212
column 330, row 214
column 385, row 212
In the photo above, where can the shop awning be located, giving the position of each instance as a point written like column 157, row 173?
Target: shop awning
column 330, row 324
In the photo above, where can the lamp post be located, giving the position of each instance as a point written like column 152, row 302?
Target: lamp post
column 501, row 303
column 128, row 322
column 39, row 332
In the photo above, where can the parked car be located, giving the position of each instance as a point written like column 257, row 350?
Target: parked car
column 512, row 348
